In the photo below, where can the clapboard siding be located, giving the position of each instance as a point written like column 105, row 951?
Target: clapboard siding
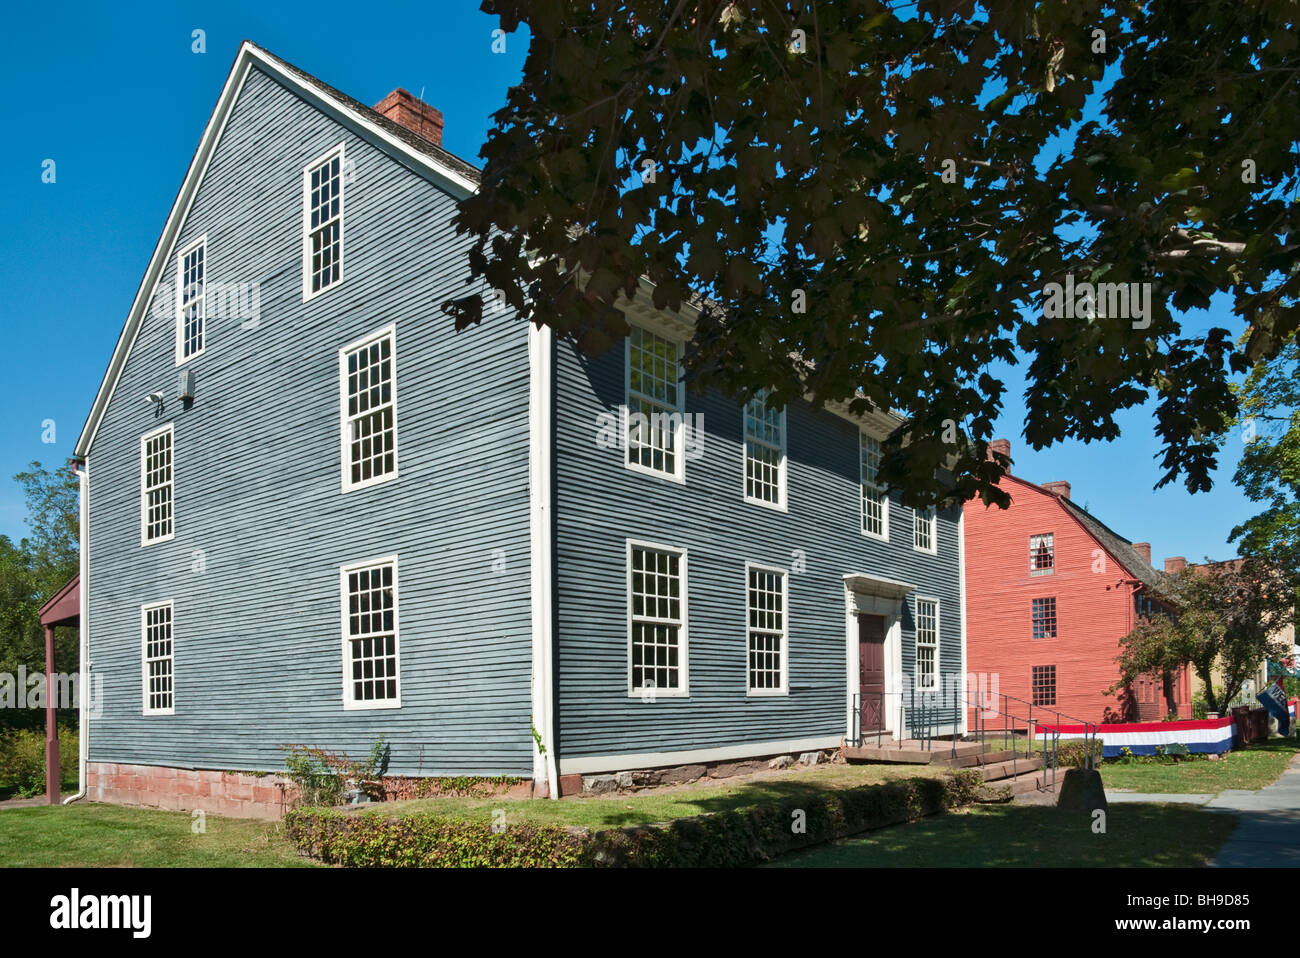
column 600, row 504
column 259, row 510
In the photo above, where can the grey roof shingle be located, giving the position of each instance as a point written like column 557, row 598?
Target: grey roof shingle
column 409, row 137
column 1119, row 547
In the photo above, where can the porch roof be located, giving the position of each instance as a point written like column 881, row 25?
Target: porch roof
column 868, row 584
column 64, row 607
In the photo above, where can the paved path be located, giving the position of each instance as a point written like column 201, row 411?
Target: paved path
column 1175, row 798
column 1268, row 826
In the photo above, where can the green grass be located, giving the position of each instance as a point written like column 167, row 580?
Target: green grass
column 662, row 805
column 1033, row 836
column 90, row 835
column 1252, row 768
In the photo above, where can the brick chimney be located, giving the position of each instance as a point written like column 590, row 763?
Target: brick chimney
column 1000, row 445
column 1060, row 487
column 412, row 113
column 1175, row 564
column 1144, row 550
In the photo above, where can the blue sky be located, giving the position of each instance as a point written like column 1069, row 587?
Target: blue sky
column 118, row 100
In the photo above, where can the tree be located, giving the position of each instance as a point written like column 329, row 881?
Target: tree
column 868, row 200
column 30, row 573
column 1229, row 614
column 1269, row 470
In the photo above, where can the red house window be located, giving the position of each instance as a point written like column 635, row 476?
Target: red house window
column 1044, row 684
column 1044, row 615
column 1042, row 555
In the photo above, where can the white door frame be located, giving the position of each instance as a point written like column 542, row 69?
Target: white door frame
column 871, row 595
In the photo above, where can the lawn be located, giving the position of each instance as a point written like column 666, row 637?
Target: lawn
column 93, row 835
column 1032, row 836
column 97, row 835
column 663, row 804
column 1252, row 767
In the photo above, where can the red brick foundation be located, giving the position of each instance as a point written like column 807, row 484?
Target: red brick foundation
column 233, row 794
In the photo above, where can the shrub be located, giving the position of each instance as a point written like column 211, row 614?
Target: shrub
column 1073, row 753
column 323, row 776
column 22, row 760
column 720, row 839
column 420, row 841
column 318, row 783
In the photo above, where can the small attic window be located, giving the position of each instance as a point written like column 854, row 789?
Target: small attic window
column 322, row 242
column 191, row 317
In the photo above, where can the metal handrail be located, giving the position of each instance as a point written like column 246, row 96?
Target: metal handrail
column 919, row 720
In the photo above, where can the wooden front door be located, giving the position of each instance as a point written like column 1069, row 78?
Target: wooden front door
column 871, row 670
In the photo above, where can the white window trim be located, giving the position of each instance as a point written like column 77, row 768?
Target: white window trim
column 144, row 656
column 144, row 491
column 179, row 305
column 679, row 473
column 345, row 443
column 934, row 530
column 349, row 703
column 307, row 292
column 938, row 644
column 782, row 500
column 683, row 691
column 784, row 688
column 883, row 535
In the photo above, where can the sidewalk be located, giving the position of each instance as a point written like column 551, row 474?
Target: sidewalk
column 1268, row 828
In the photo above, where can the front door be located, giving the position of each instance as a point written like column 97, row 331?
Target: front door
column 871, row 670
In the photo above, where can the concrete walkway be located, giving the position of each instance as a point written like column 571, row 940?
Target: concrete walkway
column 1174, row 798
column 1268, row 819
column 1268, row 824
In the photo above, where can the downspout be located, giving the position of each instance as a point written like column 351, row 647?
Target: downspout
column 541, row 462
column 961, row 589
column 83, row 634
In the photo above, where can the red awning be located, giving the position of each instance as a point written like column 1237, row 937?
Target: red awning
column 64, row 607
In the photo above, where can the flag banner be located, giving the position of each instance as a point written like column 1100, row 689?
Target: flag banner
column 1143, row 738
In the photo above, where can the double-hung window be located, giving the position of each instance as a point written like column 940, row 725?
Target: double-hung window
column 1044, row 684
column 924, row 533
column 156, row 659
column 1042, row 554
column 655, row 423
column 875, row 504
column 191, row 301
column 368, row 405
column 1044, row 617
column 927, row 644
column 764, row 452
column 322, row 226
column 656, row 599
column 370, row 635
column 767, row 631
column 156, row 499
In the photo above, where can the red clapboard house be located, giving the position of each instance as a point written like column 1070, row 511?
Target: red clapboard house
column 1051, row 591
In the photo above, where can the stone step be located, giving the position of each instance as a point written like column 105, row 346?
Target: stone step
column 1008, row 769
column 975, row 758
column 909, row 752
column 1002, row 790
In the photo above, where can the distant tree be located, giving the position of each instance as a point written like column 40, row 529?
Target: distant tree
column 1269, row 470
column 31, row 571
column 1225, row 626
column 879, row 203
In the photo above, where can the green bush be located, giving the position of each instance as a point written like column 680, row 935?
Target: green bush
column 722, row 839
column 421, row 841
column 22, row 760
column 1073, row 753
